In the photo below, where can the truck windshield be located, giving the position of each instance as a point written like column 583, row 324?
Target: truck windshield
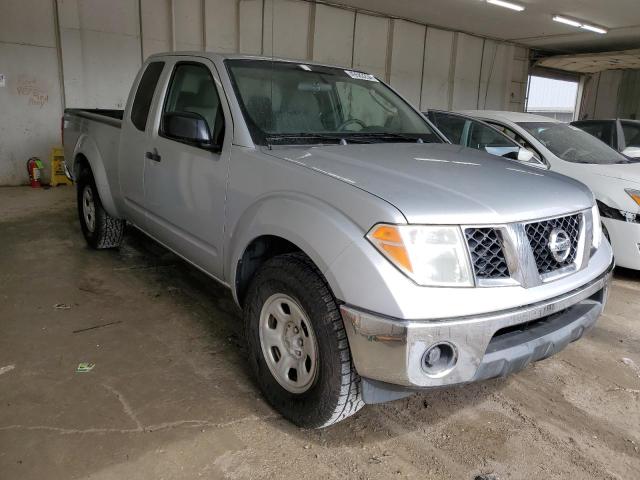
column 291, row 103
column 572, row 144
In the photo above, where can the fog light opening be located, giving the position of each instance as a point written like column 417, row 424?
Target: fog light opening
column 439, row 359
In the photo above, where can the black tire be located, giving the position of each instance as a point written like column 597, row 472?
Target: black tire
column 107, row 231
column 336, row 391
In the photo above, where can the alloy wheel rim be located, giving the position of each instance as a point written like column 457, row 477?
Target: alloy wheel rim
column 288, row 342
column 89, row 209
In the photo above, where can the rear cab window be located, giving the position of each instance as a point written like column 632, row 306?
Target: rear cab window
column 144, row 95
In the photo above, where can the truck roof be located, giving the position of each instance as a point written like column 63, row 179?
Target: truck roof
column 239, row 56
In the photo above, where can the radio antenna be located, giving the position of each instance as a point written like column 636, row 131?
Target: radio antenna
column 273, row 15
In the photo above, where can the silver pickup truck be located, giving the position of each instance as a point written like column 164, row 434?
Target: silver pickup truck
column 371, row 258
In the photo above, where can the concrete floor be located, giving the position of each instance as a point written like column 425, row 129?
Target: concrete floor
column 170, row 395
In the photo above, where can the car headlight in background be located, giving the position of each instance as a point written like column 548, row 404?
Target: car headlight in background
column 429, row 255
column 634, row 194
column 610, row 212
column 597, row 226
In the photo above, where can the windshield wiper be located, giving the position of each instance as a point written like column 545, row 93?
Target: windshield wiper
column 273, row 138
column 392, row 135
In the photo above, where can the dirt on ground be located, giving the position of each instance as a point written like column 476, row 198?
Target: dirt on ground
column 170, row 396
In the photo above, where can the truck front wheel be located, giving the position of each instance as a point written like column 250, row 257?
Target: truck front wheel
column 298, row 346
column 100, row 229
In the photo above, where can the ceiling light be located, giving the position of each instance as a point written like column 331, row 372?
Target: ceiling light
column 509, row 5
column 578, row 24
column 567, row 21
column 592, row 28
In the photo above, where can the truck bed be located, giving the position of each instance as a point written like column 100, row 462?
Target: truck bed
column 102, row 127
column 104, row 115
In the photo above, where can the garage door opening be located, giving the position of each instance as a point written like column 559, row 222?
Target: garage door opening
column 552, row 98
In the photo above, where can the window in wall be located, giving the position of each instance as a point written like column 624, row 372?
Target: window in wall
column 552, row 98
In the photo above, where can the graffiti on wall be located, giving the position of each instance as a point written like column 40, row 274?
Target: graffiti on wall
column 29, row 87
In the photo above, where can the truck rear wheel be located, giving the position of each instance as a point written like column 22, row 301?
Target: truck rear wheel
column 298, row 346
column 100, row 229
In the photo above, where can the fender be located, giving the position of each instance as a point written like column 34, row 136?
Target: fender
column 320, row 230
column 87, row 147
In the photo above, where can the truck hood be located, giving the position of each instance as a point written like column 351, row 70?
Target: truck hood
column 443, row 183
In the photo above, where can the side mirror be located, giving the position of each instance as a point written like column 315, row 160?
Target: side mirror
column 525, row 155
column 190, row 128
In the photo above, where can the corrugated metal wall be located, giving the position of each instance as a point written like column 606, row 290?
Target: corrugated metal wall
column 611, row 94
column 103, row 43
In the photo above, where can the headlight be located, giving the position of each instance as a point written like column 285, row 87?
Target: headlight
column 429, row 255
column 634, row 194
column 597, row 226
column 609, row 212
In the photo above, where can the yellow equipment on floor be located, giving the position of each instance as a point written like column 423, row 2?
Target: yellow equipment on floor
column 58, row 176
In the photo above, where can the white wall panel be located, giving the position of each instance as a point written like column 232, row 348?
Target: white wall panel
column 370, row 44
column 188, row 24
column 436, row 82
column 100, row 51
column 519, row 74
column 250, row 26
column 495, row 75
column 589, row 95
column 407, row 56
column 114, row 16
column 30, row 100
column 156, row 26
column 289, row 36
column 517, row 91
column 608, row 88
column 466, row 80
column 221, row 25
column 19, row 22
column 333, row 35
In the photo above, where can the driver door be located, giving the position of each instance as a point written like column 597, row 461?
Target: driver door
column 185, row 184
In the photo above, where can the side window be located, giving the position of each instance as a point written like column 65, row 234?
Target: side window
column 631, row 134
column 193, row 90
column 536, row 159
column 482, row 136
column 451, row 125
column 144, row 95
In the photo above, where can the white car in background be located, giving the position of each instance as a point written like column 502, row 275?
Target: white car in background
column 613, row 178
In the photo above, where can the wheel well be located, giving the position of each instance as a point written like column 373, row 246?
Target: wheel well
column 80, row 163
column 257, row 252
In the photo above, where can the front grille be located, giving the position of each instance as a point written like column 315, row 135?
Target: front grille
column 539, row 233
column 487, row 256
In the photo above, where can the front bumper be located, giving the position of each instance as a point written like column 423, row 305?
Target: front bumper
column 392, row 351
column 625, row 241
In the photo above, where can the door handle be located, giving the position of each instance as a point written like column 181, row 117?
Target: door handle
column 155, row 156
